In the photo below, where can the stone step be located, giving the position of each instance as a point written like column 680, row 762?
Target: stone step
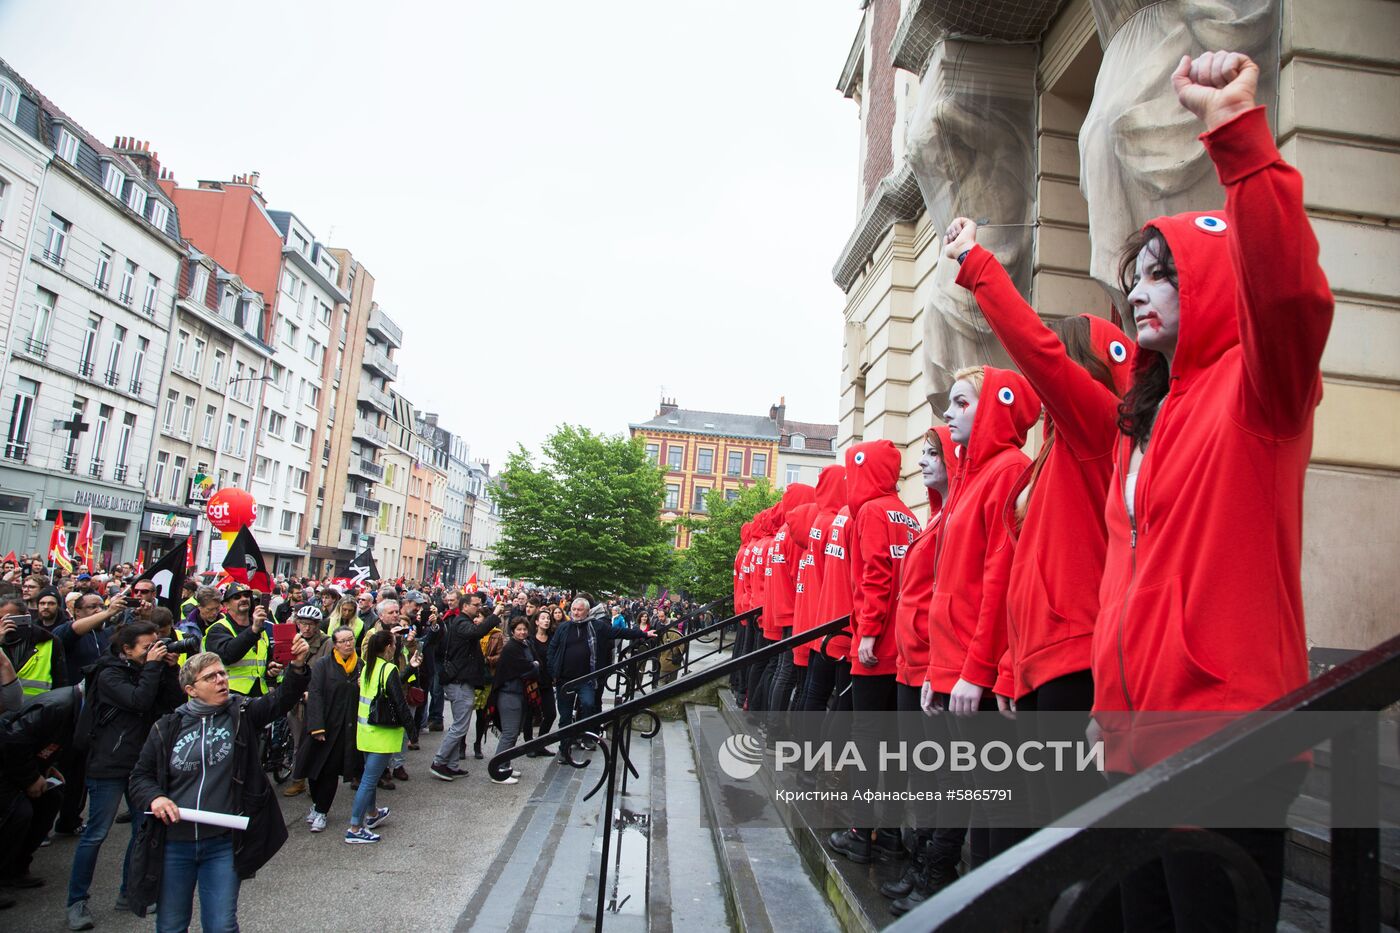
column 1309, row 855
column 768, row 883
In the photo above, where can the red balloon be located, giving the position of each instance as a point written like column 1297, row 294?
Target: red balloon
column 231, row 509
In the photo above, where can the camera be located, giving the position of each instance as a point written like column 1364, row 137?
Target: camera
column 188, row 645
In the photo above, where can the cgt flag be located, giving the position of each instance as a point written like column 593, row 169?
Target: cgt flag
column 244, row 562
column 168, row 576
column 360, row 569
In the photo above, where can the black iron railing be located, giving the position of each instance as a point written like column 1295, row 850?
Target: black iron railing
column 1054, row 879
column 610, row 727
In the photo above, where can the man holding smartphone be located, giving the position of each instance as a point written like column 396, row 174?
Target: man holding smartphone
column 242, row 644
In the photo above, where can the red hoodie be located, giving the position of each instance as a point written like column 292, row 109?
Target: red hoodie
column 782, row 585
column 758, row 555
column 916, row 585
column 832, row 567
column 804, row 595
column 772, row 522
column 883, row 530
column 1052, row 599
column 1201, row 602
column 967, row 617
column 741, row 595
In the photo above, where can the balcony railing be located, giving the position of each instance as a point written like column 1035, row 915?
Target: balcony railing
column 136, row 390
column 112, row 377
column 376, row 396
column 39, row 349
column 54, row 256
column 125, row 298
column 367, row 430
column 350, row 540
column 377, row 359
column 381, row 323
column 70, row 463
column 14, row 451
column 85, row 368
column 359, row 466
column 95, row 469
column 119, row 474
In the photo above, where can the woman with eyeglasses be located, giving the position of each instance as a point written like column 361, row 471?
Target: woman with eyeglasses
column 331, row 707
column 205, row 756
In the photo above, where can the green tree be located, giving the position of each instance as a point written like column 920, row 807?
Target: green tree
column 587, row 517
column 705, row 570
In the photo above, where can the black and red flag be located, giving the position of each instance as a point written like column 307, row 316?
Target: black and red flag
column 168, row 577
column 244, row 563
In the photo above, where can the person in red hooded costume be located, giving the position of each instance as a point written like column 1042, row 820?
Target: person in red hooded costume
column 828, row 668
column 882, row 532
column 761, row 674
column 738, row 680
column 938, row 464
column 1080, row 367
column 1201, row 605
column 989, row 413
column 800, row 522
column 783, row 592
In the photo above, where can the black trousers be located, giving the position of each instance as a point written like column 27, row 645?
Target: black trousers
column 873, row 698
column 23, row 826
column 1072, row 693
column 73, row 766
column 760, row 676
column 1189, row 893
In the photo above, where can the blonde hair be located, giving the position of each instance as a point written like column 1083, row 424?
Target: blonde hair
column 971, row 374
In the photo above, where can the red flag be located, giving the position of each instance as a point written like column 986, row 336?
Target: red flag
column 471, row 582
column 189, row 552
column 437, row 580
column 58, row 546
column 11, row 557
column 82, row 548
column 140, row 562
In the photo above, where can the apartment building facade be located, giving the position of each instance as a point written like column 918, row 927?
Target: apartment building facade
column 89, row 322
column 397, row 460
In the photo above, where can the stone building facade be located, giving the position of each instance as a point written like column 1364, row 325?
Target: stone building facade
column 1058, row 124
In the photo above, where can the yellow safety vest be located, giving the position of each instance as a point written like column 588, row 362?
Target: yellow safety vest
column 248, row 670
column 370, row 738
column 36, row 676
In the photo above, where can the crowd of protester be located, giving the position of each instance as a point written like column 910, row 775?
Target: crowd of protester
column 108, row 697
column 1146, row 559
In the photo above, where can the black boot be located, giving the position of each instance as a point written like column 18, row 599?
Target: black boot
column 889, row 845
column 905, row 884
column 854, row 844
column 931, row 879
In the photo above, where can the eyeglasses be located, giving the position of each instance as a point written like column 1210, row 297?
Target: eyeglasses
column 213, row 677
column 145, row 592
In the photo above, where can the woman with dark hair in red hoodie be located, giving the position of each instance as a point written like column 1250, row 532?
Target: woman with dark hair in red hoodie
column 881, row 534
column 1201, row 605
column 1080, row 367
column 989, row 413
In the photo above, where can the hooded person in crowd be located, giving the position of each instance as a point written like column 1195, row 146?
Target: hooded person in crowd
column 783, row 593
column 1201, row 605
column 829, row 666
column 879, row 538
column 989, row 414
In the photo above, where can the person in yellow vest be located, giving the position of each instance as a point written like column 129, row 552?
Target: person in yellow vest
column 36, row 656
column 346, row 615
column 189, row 592
column 242, row 644
column 379, row 732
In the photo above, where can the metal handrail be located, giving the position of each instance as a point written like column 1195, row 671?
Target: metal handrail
column 1060, row 872
column 632, row 659
column 619, row 718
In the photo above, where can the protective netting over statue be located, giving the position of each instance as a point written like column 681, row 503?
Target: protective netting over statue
column 927, row 21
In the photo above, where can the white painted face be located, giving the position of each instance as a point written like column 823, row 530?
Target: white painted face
column 1156, row 303
column 931, row 465
column 962, row 409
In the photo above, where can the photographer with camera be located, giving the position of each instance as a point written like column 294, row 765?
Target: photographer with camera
column 127, row 690
column 242, row 645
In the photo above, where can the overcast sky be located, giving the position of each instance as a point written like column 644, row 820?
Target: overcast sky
column 566, row 205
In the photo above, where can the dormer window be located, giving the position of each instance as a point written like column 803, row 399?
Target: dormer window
column 160, row 215
column 9, row 100
column 200, row 286
column 115, row 181
column 798, row 441
column 67, row 146
column 136, row 200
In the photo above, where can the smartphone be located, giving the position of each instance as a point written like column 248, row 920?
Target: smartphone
column 282, row 635
column 51, row 782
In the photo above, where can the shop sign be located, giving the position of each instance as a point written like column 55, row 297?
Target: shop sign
column 168, row 524
column 104, row 500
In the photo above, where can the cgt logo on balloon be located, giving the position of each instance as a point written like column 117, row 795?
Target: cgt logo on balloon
column 740, row 756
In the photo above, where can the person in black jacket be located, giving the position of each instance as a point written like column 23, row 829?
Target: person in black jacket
column 581, row 646
column 517, row 664
column 332, row 705
column 463, row 674
column 205, row 756
column 545, row 713
column 32, row 738
column 128, row 689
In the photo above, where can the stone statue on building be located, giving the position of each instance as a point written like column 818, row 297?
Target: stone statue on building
column 1138, row 149
column 971, row 145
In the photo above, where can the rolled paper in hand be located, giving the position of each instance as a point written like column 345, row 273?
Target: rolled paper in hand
column 210, row 818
